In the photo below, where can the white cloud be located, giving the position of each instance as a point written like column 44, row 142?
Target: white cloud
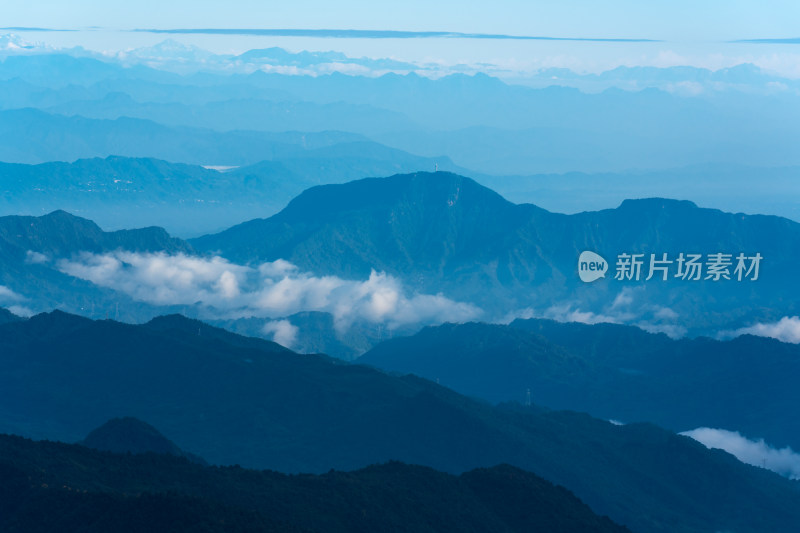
column 784, row 461
column 11, row 42
column 283, row 332
column 9, row 296
column 35, row 258
column 159, row 278
column 11, row 301
column 272, row 290
column 20, row 310
column 787, row 329
column 565, row 313
column 673, row 331
column 665, row 313
column 627, row 307
column 623, row 299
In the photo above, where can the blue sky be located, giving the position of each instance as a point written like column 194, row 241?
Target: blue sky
column 670, row 20
column 691, row 32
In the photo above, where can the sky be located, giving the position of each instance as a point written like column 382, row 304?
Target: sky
column 672, row 20
column 689, row 32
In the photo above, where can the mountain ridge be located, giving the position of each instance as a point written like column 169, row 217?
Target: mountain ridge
column 131, row 435
column 70, row 486
column 440, row 232
column 611, row 371
column 307, row 413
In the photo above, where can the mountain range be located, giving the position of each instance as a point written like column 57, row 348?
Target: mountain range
column 66, row 375
column 119, row 192
column 726, row 148
column 50, row 137
column 480, row 122
column 31, row 246
column 446, row 353
column 51, row 486
column 436, row 233
column 131, row 435
column 444, row 232
column 612, row 371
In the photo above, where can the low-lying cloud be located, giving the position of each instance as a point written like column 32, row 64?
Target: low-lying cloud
column 784, row 461
column 272, row 290
column 282, row 331
column 787, row 329
column 12, row 301
column 7, row 295
column 35, row 258
column 628, row 307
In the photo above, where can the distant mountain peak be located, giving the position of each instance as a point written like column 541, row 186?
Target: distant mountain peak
column 131, row 435
column 57, row 317
column 422, row 188
column 169, row 49
column 650, row 204
column 60, row 214
column 185, row 325
column 62, row 233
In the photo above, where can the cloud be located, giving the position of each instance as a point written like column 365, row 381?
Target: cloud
column 20, row 310
column 35, row 258
column 9, row 296
column 378, row 34
column 787, row 329
column 272, row 290
column 160, row 279
column 623, row 299
column 665, row 313
column 11, row 301
column 283, row 332
column 627, row 307
column 673, row 331
column 795, row 40
column 566, row 313
column 784, row 461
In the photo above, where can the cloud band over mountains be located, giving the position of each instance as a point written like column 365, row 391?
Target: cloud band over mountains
column 784, row 461
column 787, row 329
column 271, row 290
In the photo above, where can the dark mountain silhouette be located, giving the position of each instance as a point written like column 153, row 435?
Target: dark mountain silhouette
column 317, row 333
column 50, row 486
column 614, row 372
column 489, row 361
column 180, row 326
column 253, row 403
column 130, row 435
column 7, row 316
column 444, row 232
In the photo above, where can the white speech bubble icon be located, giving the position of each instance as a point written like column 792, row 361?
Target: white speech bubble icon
column 591, row 267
